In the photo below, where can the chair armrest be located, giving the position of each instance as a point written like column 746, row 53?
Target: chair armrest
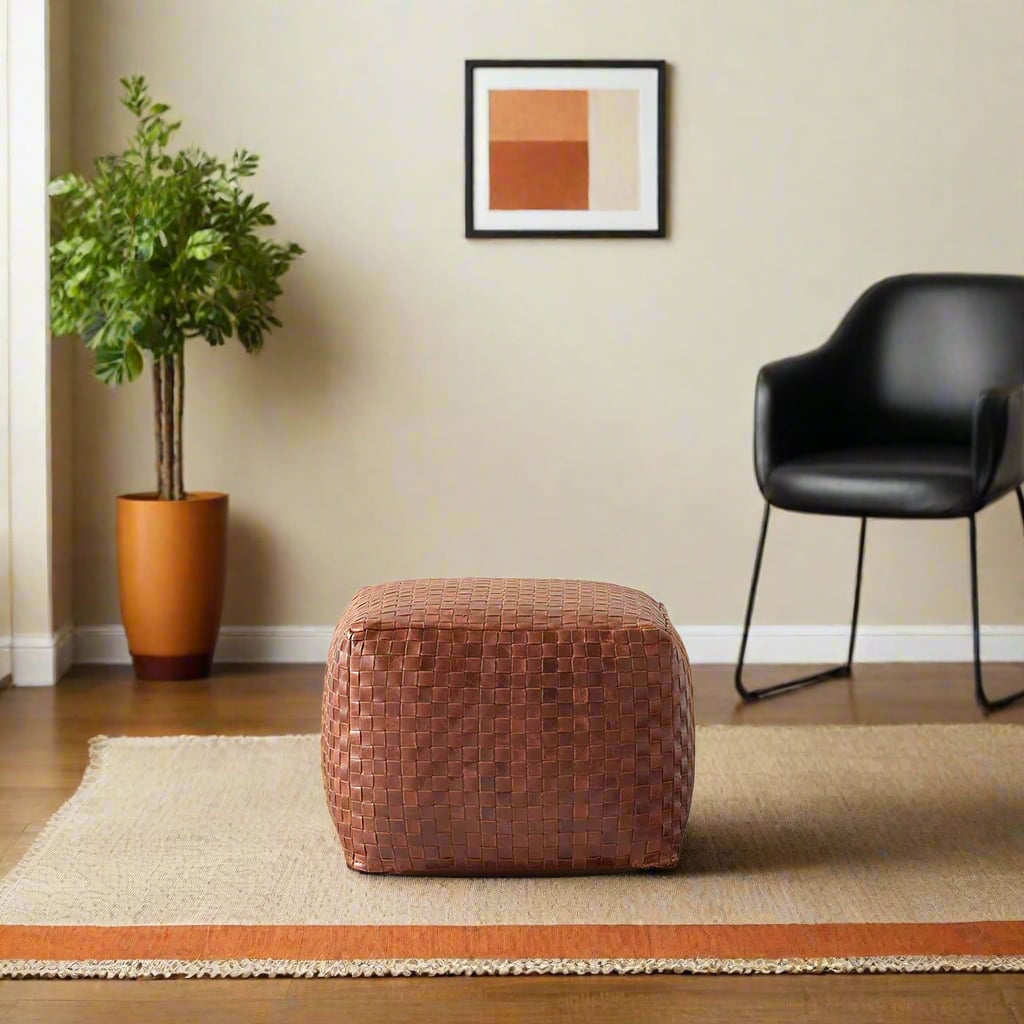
column 796, row 404
column 997, row 443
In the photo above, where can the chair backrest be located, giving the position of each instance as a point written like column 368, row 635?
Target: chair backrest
column 917, row 350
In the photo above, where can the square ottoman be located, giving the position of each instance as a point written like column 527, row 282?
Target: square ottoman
column 506, row 727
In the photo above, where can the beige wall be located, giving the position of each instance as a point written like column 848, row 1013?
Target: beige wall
column 6, row 624
column 576, row 408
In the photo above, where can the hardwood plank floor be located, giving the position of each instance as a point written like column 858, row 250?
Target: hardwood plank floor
column 1014, row 995
column 515, row 1001
column 44, row 735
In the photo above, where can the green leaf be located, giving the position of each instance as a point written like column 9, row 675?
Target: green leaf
column 74, row 283
column 201, row 245
column 116, row 365
column 93, row 333
column 62, row 185
column 133, row 360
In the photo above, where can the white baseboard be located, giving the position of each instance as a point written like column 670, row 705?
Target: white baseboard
column 812, row 645
column 105, row 645
column 40, row 659
column 5, row 658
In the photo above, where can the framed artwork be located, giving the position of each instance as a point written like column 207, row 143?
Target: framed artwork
column 565, row 149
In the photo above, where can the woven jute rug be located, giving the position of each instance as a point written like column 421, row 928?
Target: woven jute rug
column 809, row 849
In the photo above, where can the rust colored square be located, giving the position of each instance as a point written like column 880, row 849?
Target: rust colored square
column 539, row 176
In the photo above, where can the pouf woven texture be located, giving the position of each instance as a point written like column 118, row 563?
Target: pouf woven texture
column 507, row 726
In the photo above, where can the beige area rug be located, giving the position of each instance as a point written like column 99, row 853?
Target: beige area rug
column 809, row 849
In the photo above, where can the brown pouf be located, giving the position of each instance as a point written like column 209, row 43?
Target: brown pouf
column 504, row 726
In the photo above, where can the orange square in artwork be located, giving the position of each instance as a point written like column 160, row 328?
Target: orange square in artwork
column 538, row 176
column 538, row 115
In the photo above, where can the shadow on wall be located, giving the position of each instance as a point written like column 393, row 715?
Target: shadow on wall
column 310, row 360
column 253, row 563
column 294, row 386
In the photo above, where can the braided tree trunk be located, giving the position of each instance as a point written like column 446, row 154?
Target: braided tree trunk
column 168, row 416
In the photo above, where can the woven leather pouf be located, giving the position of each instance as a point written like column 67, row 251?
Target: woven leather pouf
column 503, row 727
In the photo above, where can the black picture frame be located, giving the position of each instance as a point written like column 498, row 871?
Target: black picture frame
column 660, row 231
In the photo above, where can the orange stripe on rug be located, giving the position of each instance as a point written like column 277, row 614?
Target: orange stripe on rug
column 514, row 942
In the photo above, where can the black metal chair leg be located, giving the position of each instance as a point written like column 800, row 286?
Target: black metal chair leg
column 839, row 671
column 984, row 701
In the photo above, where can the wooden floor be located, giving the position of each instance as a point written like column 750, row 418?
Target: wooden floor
column 43, row 738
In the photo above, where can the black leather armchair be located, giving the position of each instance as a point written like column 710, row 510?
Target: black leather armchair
column 913, row 409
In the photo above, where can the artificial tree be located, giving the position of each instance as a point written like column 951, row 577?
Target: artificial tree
column 157, row 248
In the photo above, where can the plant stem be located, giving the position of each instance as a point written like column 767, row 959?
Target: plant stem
column 158, row 422
column 179, row 415
column 166, row 426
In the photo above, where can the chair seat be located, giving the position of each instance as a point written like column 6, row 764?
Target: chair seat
column 892, row 481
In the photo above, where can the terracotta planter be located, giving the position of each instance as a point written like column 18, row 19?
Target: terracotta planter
column 171, row 558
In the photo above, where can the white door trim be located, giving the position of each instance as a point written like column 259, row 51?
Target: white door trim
column 26, row 327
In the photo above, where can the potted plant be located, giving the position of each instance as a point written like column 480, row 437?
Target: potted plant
column 157, row 248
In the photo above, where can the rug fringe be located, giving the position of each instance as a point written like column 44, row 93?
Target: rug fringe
column 127, row 969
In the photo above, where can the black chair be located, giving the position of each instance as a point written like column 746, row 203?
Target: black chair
column 913, row 409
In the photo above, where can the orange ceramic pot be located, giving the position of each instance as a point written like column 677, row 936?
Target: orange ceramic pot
column 171, row 560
